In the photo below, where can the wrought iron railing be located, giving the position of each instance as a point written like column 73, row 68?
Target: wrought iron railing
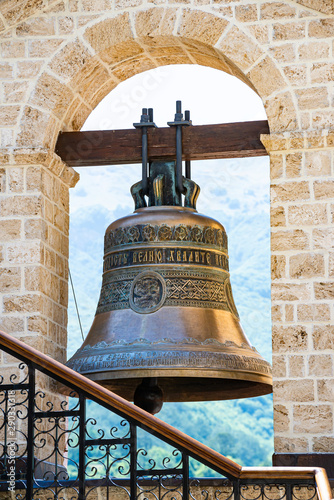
column 92, row 443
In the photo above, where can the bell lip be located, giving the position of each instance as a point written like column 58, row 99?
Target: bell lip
column 191, row 388
column 138, row 373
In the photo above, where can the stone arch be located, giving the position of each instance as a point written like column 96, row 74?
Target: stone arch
column 107, row 52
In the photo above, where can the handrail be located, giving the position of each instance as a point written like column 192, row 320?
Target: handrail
column 194, row 448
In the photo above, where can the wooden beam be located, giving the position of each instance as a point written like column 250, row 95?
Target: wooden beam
column 117, row 147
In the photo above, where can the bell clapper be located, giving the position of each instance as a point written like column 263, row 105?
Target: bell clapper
column 149, row 396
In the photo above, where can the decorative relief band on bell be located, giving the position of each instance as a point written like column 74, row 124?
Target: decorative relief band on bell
column 163, row 233
column 148, row 291
column 149, row 255
column 172, row 359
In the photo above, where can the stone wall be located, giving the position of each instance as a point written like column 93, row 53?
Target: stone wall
column 59, row 58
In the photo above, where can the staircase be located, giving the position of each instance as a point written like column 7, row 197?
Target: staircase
column 63, row 436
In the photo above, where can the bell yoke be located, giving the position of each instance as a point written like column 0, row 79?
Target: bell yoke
column 166, row 327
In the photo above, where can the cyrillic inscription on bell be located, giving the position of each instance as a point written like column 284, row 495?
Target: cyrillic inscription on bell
column 166, row 322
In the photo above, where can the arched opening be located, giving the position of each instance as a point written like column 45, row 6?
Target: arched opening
column 235, row 192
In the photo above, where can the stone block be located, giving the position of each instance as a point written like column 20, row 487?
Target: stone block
column 284, row 53
column 96, row 5
column 276, row 10
column 246, row 13
column 29, row 69
column 37, row 26
column 322, row 119
column 20, row 205
column 201, row 26
column 109, row 32
column 324, row 238
column 34, row 128
column 281, row 112
column 318, row 163
column 312, row 419
column 323, row 337
column 313, row 98
column 277, row 216
column 324, row 290
column 65, row 25
column 323, row 444
column 12, row 324
column 313, row 312
column 6, row 70
column 10, row 279
column 290, row 191
column 260, row 32
column 306, row 265
column 277, row 267
column 289, row 339
column 51, row 94
column 125, row 50
column 240, row 48
column 296, row 74
column 22, row 303
column 9, row 115
column 91, row 79
column 24, row 252
column 10, row 229
column 289, row 240
column 3, row 175
column 276, row 166
column 322, row 72
column 290, row 292
column 13, row 49
column 37, row 325
column 314, row 50
column 307, row 215
column 70, row 60
column 320, row 365
column 132, row 67
column 296, row 366
column 289, row 313
column 321, row 28
column 289, row 31
column 15, row 11
column 301, row 391
column 323, row 190
column 281, row 418
column 290, row 445
column 35, row 229
column 293, row 164
column 15, row 180
column 279, row 366
column 266, row 78
column 276, row 314
column 14, row 92
column 43, row 47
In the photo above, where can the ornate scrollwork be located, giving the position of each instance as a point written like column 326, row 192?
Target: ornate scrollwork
column 162, row 233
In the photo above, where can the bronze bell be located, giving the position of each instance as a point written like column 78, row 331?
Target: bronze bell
column 166, row 326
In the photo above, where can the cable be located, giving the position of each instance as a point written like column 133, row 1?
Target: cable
column 76, row 305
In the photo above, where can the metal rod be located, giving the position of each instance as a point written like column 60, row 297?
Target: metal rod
column 82, row 444
column 30, row 433
column 179, row 180
column 185, row 476
column 188, row 163
column 133, row 462
column 188, row 169
column 75, row 302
